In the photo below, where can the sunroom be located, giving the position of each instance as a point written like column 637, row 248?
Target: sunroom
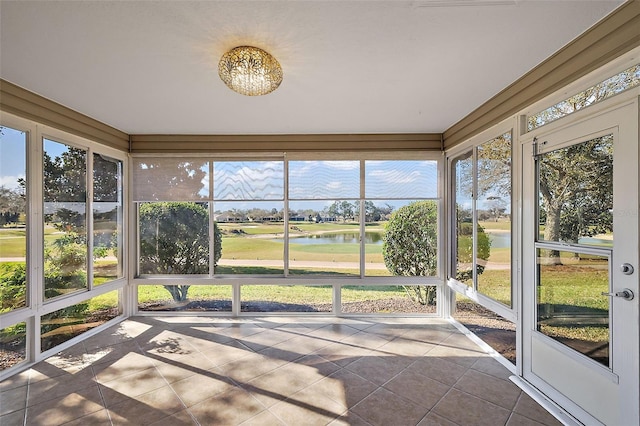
column 416, row 227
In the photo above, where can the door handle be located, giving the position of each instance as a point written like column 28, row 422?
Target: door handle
column 626, row 294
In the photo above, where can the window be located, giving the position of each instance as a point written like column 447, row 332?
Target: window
column 482, row 208
column 69, row 245
column 324, row 227
column 605, row 89
column 13, row 219
column 574, row 245
column 73, row 268
column 65, row 219
column 401, row 185
column 248, row 203
column 272, row 221
column 64, row 324
column 107, row 219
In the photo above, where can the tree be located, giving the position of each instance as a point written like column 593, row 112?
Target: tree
column 410, row 246
column 343, row 209
column 173, row 240
column 107, row 173
column 496, row 206
column 611, row 86
column 493, row 179
column 576, row 188
column 65, row 176
column 12, row 204
column 586, row 168
column 373, row 213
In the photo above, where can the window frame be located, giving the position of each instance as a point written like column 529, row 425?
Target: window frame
column 471, row 291
column 336, row 282
column 37, row 305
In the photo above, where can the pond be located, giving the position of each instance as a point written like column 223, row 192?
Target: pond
column 503, row 240
column 336, row 238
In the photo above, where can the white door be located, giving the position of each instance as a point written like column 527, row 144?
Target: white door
column 581, row 266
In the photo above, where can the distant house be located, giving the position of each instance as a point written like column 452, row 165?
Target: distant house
column 228, row 218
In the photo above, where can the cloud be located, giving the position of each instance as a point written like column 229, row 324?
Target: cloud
column 396, row 176
column 10, row 182
column 341, row 165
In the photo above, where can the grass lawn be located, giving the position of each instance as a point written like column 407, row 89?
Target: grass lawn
column 295, row 294
column 13, row 241
column 501, row 225
column 496, row 284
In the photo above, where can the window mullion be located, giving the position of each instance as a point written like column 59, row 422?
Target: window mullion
column 89, row 218
column 285, row 213
column 474, row 220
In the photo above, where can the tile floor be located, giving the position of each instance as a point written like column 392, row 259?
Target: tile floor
column 270, row 371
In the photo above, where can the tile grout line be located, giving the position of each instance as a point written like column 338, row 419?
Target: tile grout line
column 95, row 379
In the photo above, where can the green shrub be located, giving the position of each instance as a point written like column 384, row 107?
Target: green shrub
column 465, row 249
column 173, row 240
column 410, row 246
column 13, row 286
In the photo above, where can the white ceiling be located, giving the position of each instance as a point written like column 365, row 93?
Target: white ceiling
column 349, row 66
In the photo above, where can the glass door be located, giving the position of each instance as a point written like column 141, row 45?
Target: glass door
column 580, row 261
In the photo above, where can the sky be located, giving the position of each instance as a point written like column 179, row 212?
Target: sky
column 13, row 156
column 246, row 181
column 264, row 180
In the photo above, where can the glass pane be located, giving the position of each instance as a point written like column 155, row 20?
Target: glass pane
column 571, row 307
column 313, row 180
column 67, row 323
column 494, row 330
column 65, row 210
column 174, row 238
column 324, row 237
column 283, row 298
column 377, row 214
column 107, row 219
column 170, row 179
column 248, row 180
column 463, row 188
column 401, row 179
column 191, row 298
column 410, row 240
column 576, row 193
column 13, row 219
column 252, row 237
column 618, row 83
column 410, row 299
column 493, row 207
column 13, row 345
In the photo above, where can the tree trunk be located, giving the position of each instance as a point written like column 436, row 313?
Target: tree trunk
column 552, row 233
column 178, row 292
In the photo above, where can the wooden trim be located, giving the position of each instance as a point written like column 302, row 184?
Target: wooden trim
column 615, row 35
column 286, row 143
column 23, row 103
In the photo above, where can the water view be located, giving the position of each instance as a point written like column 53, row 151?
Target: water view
column 335, row 238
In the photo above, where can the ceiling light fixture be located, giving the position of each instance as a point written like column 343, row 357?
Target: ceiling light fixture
column 250, row 71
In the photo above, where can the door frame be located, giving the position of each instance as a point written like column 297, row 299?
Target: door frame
column 619, row 401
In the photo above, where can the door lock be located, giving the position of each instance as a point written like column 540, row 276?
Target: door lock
column 626, row 268
column 626, row 294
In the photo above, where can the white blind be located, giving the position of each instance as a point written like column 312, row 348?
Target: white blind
column 248, row 180
column 314, row 180
column 171, row 179
column 401, row 179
